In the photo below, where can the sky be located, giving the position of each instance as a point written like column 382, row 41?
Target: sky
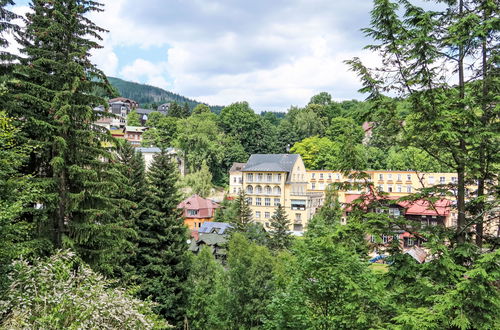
column 272, row 54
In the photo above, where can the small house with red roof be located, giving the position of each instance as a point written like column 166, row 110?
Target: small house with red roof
column 197, row 210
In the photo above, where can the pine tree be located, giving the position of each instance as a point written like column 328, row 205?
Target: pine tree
column 243, row 214
column 52, row 91
column 281, row 238
column 162, row 261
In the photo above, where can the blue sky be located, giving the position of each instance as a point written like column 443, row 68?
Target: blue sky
column 273, row 54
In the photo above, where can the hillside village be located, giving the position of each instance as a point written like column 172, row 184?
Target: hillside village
column 350, row 181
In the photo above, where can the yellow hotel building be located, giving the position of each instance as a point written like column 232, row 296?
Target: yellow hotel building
column 272, row 179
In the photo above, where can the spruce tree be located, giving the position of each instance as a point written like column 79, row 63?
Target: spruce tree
column 162, row 261
column 281, row 238
column 243, row 214
column 51, row 90
column 331, row 210
column 6, row 26
column 132, row 167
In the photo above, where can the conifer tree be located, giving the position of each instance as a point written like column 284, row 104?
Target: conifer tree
column 6, row 26
column 162, row 261
column 243, row 214
column 281, row 238
column 132, row 167
column 52, row 90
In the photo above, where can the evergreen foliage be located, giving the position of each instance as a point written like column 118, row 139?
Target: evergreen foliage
column 52, row 89
column 281, row 238
column 244, row 216
column 162, row 262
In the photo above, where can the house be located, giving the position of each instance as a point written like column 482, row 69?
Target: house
column 133, row 134
column 419, row 211
column 213, row 235
column 236, row 178
column 149, row 153
column 197, row 210
column 163, row 108
column 131, row 104
column 270, row 180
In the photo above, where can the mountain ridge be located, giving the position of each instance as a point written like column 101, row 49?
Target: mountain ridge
column 152, row 96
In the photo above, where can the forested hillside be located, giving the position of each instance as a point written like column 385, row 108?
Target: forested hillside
column 150, row 96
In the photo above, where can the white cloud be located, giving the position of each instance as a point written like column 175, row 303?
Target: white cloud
column 270, row 53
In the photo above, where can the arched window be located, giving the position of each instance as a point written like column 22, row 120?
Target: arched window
column 267, row 190
column 249, row 190
column 277, row 190
column 258, row 190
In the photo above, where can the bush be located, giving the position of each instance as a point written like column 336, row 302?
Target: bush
column 64, row 293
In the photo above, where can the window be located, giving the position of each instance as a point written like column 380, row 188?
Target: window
column 277, row 202
column 380, row 187
column 329, row 176
column 298, row 217
column 278, row 177
column 313, row 186
column 399, row 177
column 408, row 188
column 386, row 239
column 259, row 177
column 249, row 177
column 389, row 188
column 312, row 175
column 389, row 176
column 442, row 180
column 321, row 186
column 258, row 201
column 338, row 176
column 454, row 179
column 249, row 200
column 321, row 176
column 408, row 177
column 268, row 190
column 249, row 190
column 192, row 212
column 269, row 177
column 394, row 211
column 399, row 188
column 381, row 177
column 298, row 204
column 234, row 190
column 257, row 214
column 430, row 180
column 267, row 215
column 234, row 179
column 267, row 201
column 277, row 190
column 258, row 190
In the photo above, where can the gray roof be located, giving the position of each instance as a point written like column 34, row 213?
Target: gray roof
column 271, row 163
column 210, row 227
column 153, row 149
column 237, row 167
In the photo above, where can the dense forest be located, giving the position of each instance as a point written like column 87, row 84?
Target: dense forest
column 151, row 97
column 90, row 239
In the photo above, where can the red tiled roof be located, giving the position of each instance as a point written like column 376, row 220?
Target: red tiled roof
column 205, row 207
column 419, row 207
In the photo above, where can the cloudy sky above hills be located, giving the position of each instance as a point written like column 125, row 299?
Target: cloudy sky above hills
column 272, row 54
